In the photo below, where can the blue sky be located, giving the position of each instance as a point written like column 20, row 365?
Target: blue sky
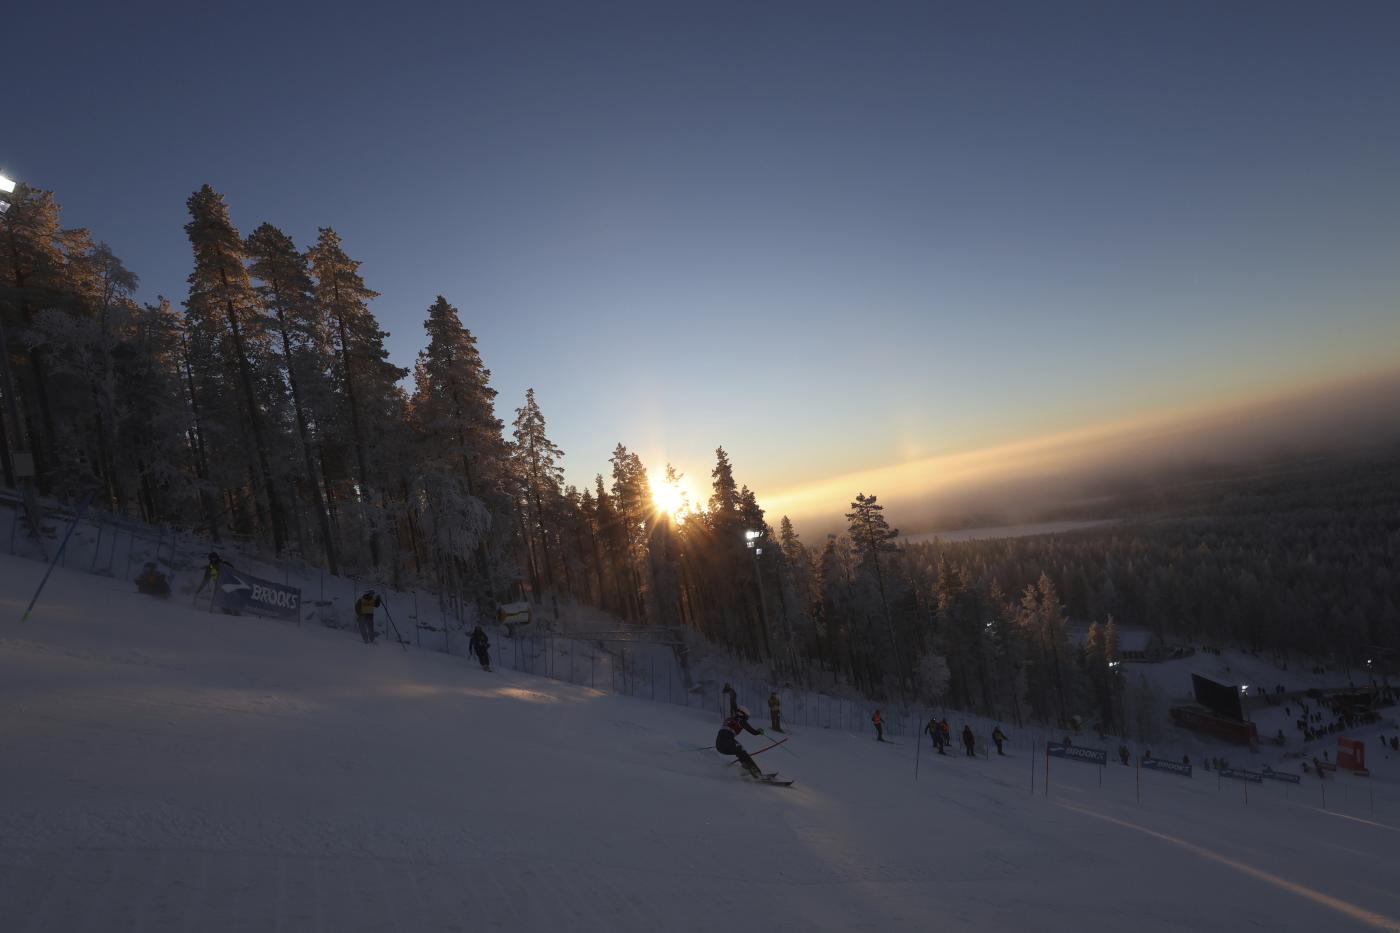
column 831, row 237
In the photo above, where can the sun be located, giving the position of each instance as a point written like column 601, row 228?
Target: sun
column 670, row 495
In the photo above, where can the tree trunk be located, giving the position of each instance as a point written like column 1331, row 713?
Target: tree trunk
column 360, row 462
column 317, row 501
column 246, row 377
column 201, row 462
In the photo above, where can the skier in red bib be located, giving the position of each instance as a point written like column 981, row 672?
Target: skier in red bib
column 727, row 742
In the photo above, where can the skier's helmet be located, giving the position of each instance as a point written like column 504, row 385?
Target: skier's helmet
column 743, row 712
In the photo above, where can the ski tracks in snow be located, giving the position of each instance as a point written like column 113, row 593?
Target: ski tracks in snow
column 182, row 891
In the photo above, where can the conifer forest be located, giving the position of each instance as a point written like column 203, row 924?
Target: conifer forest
column 261, row 407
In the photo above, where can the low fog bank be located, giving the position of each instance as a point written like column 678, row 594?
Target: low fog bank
column 1111, row 470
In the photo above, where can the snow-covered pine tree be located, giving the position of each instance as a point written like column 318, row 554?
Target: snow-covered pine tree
column 463, row 458
column 31, row 271
column 286, row 291
column 613, row 539
column 77, row 335
column 373, row 402
column 800, row 582
column 229, row 331
column 632, row 499
column 153, row 424
column 539, row 477
column 871, row 535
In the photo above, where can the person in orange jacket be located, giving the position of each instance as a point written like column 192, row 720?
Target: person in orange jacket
column 879, row 726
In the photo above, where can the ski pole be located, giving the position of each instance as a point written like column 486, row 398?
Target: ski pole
column 63, row 544
column 390, row 616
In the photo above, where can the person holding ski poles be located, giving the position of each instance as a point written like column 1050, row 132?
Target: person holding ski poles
column 480, row 645
column 999, row 737
column 727, row 741
column 211, row 574
column 879, row 723
column 364, row 614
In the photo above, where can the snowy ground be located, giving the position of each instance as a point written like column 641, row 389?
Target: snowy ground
column 165, row 769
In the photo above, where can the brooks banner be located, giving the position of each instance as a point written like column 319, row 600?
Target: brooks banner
column 1253, row 777
column 1172, row 767
column 1090, row 756
column 1273, row 775
column 238, row 592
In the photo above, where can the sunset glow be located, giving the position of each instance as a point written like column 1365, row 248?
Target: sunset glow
column 672, row 496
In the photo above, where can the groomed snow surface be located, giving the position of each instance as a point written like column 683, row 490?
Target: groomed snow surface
column 166, row 769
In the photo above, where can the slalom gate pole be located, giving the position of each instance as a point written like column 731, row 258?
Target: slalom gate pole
column 766, row 748
column 1047, row 767
column 390, row 616
column 918, row 749
column 1032, row 757
column 77, row 517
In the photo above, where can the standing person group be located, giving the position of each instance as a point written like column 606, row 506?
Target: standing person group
column 940, row 732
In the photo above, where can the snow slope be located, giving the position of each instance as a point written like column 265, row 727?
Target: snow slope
column 166, row 769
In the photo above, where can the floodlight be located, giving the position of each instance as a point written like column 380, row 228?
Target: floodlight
column 6, row 185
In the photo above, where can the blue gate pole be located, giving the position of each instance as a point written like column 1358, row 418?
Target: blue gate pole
column 92, row 567
column 63, row 544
